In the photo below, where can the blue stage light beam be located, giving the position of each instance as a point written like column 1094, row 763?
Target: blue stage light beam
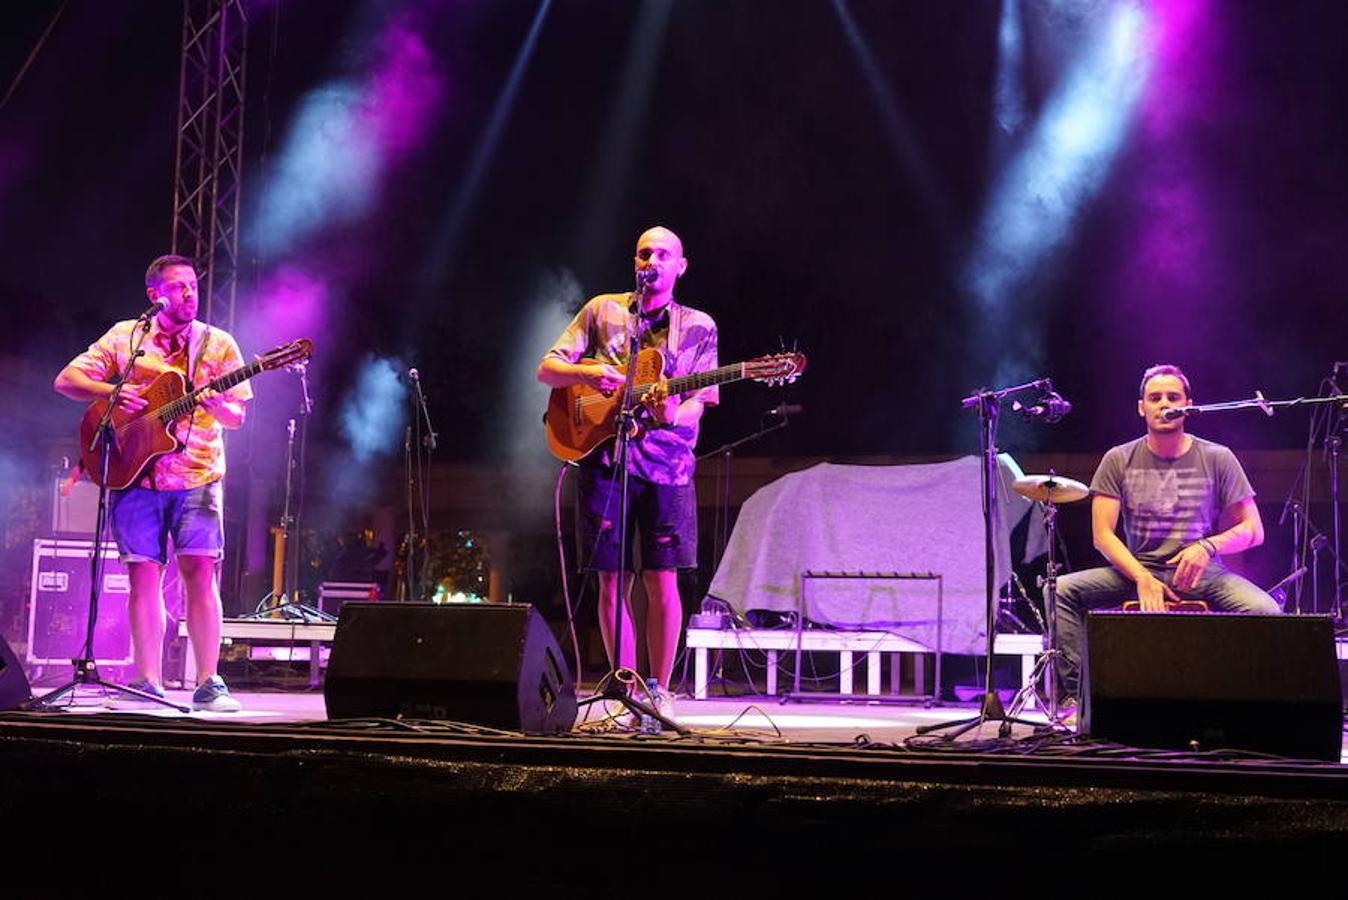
column 444, row 255
column 374, row 412
column 899, row 133
column 1062, row 164
column 1008, row 90
column 345, row 139
column 607, row 181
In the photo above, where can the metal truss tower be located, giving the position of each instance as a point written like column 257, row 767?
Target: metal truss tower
column 208, row 168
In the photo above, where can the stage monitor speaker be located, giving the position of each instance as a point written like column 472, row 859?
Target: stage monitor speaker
column 1209, row 681
column 14, row 689
column 485, row 664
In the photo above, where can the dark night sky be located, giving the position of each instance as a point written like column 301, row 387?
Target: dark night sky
column 1215, row 239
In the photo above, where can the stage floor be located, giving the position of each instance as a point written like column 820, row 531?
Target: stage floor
column 748, row 719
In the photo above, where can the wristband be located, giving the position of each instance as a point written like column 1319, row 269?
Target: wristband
column 1209, row 546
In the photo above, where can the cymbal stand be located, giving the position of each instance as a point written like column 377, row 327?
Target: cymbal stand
column 1046, row 667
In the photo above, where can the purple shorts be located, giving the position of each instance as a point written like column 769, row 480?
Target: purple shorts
column 664, row 515
column 143, row 521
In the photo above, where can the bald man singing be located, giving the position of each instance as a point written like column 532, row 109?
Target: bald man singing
column 662, row 505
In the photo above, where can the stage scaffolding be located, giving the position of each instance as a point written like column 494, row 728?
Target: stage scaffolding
column 209, row 159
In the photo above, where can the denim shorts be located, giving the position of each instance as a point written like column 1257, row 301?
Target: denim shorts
column 143, row 521
column 664, row 516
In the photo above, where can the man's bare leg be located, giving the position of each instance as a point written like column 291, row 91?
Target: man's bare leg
column 203, row 612
column 664, row 618
column 608, row 599
column 145, row 609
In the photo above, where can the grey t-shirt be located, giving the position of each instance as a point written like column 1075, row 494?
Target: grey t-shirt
column 1170, row 503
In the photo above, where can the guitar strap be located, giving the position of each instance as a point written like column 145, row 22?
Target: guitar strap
column 673, row 316
column 201, row 340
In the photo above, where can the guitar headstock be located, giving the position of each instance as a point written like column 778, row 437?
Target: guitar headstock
column 778, row 368
column 286, row 354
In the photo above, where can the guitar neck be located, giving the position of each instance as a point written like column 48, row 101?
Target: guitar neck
column 183, row 405
column 687, row 383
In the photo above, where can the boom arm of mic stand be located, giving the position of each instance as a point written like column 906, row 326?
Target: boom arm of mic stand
column 431, row 434
column 984, row 395
column 726, row 448
column 1261, row 403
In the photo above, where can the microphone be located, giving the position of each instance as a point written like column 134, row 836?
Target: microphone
column 785, row 409
column 414, row 375
column 1051, row 407
column 1179, row 412
column 155, row 307
column 646, row 277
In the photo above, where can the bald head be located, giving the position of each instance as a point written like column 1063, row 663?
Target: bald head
column 661, row 251
column 662, row 236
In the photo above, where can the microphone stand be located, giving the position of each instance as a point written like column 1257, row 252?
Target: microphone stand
column 1333, row 445
column 426, row 444
column 417, row 449
column 287, row 603
column 86, row 667
column 722, row 525
column 727, row 454
column 610, row 688
column 987, row 403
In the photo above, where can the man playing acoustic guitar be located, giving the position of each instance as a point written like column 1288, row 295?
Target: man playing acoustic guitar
column 663, row 507
column 179, row 495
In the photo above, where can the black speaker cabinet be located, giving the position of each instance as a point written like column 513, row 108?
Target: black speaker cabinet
column 486, row 664
column 13, row 683
column 1210, row 681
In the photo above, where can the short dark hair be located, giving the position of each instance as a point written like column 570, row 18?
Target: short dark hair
column 156, row 269
column 1164, row 369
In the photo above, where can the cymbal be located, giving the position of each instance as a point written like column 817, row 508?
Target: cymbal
column 1051, row 488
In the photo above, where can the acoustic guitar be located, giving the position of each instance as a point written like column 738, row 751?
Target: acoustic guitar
column 139, row 438
column 580, row 418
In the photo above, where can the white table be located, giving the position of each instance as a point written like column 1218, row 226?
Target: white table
column 846, row 644
column 272, row 635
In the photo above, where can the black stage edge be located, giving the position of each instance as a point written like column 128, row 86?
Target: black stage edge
column 324, row 802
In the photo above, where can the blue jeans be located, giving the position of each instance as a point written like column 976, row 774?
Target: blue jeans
column 1080, row 592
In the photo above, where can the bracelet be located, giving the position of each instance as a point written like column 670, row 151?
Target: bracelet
column 1209, row 546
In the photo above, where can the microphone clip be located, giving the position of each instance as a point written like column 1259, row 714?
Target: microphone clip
column 1050, row 407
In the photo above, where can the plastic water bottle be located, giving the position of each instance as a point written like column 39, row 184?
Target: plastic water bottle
column 650, row 724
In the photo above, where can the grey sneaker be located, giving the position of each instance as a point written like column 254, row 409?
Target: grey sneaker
column 1067, row 712
column 213, row 696
column 118, row 700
